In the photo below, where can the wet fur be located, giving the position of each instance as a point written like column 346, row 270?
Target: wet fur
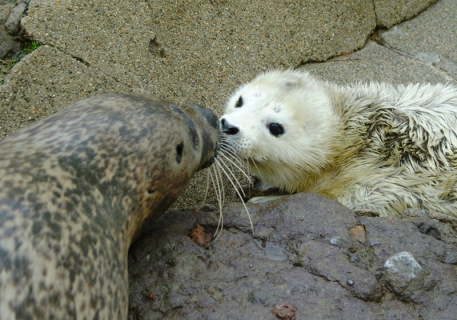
column 370, row 146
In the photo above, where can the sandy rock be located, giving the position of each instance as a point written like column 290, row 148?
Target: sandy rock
column 13, row 23
column 390, row 12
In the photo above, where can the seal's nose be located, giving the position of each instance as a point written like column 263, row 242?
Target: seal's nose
column 208, row 114
column 228, row 128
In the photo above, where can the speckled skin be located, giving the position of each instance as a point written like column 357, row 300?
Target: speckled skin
column 75, row 188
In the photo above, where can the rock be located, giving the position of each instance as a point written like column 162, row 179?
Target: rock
column 13, row 23
column 302, row 252
column 431, row 35
column 390, row 12
column 8, row 46
column 358, row 232
column 284, row 311
column 402, row 267
column 332, row 264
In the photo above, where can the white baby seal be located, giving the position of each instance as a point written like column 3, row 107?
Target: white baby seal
column 373, row 146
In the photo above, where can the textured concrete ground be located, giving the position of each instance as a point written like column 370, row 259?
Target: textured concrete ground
column 198, row 53
column 422, row 50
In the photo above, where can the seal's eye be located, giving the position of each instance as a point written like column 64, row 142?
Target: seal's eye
column 239, row 103
column 276, row 129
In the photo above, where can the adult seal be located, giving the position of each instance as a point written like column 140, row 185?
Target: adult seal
column 75, row 188
column 374, row 147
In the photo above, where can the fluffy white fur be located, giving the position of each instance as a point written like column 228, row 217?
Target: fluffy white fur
column 370, row 146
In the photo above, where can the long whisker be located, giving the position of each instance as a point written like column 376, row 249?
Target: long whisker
column 208, row 172
column 222, row 192
column 239, row 195
column 227, row 146
column 221, row 181
column 229, row 174
column 231, row 153
column 238, row 167
column 253, row 161
column 219, row 201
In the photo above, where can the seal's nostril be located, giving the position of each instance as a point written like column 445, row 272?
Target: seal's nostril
column 232, row 130
column 227, row 128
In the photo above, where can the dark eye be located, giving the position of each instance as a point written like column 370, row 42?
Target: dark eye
column 239, row 103
column 276, row 129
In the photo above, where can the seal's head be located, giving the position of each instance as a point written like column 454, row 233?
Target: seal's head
column 282, row 123
column 77, row 187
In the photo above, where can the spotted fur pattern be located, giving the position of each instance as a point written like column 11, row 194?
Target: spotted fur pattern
column 74, row 190
column 370, row 146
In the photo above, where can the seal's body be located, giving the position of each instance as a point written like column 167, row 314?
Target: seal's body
column 370, row 146
column 74, row 190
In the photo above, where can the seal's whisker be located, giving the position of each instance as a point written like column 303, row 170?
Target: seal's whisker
column 221, row 181
column 232, row 154
column 255, row 164
column 206, row 191
column 238, row 167
column 227, row 146
column 229, row 174
column 239, row 195
column 221, row 216
column 185, row 107
column 217, row 188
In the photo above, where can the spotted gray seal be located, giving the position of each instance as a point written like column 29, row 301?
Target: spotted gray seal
column 74, row 190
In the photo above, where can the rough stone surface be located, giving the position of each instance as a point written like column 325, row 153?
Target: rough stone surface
column 434, row 38
column 402, row 267
column 9, row 46
column 378, row 63
column 197, row 53
column 302, row 253
column 13, row 23
column 6, row 7
column 30, row 97
column 390, row 12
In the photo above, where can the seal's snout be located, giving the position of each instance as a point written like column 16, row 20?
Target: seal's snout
column 228, row 128
column 208, row 114
column 208, row 122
